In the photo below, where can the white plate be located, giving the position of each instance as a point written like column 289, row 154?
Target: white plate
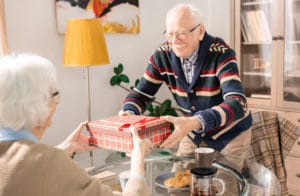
column 159, row 181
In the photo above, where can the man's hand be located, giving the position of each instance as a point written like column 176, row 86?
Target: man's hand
column 76, row 141
column 125, row 113
column 182, row 126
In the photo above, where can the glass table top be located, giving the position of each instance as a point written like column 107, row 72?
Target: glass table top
column 252, row 179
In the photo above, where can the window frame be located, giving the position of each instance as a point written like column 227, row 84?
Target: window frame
column 3, row 37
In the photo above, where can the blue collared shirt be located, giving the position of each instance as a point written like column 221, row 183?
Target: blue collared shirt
column 11, row 135
column 188, row 65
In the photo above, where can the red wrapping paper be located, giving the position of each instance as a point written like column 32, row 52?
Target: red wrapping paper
column 113, row 132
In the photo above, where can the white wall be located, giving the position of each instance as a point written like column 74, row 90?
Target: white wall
column 31, row 27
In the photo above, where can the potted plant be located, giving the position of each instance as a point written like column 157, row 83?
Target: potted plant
column 153, row 108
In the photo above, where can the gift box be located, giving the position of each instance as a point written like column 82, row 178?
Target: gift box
column 113, row 132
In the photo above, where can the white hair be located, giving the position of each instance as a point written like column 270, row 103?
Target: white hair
column 25, row 83
column 192, row 9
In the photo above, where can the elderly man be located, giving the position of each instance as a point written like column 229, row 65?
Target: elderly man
column 202, row 74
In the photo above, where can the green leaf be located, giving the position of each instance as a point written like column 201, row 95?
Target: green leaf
column 149, row 107
column 119, row 69
column 123, row 154
column 165, row 107
column 136, row 82
column 167, row 102
column 114, row 156
column 116, row 71
column 172, row 112
column 171, row 128
column 164, row 153
column 115, row 80
column 156, row 111
column 124, row 78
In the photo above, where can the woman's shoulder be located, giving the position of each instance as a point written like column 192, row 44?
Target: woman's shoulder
column 38, row 150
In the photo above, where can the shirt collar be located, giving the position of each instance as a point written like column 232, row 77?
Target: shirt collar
column 11, row 135
column 193, row 57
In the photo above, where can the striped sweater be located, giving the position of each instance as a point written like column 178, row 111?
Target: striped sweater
column 215, row 94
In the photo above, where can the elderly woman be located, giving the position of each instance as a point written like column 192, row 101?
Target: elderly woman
column 28, row 99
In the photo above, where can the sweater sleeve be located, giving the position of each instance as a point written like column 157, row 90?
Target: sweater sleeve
column 67, row 178
column 234, row 106
column 147, row 87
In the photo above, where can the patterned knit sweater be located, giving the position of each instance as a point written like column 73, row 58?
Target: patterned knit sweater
column 215, row 93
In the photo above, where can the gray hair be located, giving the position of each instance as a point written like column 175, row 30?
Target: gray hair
column 194, row 11
column 25, row 83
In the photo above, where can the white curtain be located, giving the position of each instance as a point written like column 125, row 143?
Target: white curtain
column 3, row 41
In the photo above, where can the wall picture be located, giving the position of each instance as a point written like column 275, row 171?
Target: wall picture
column 117, row 16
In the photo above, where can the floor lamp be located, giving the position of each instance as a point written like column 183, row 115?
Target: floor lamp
column 85, row 46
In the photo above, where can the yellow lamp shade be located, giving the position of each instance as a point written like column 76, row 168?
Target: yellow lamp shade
column 85, row 43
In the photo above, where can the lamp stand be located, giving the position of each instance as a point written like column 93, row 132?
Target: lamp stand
column 89, row 107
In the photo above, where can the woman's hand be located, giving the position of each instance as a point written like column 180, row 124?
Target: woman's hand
column 141, row 147
column 182, row 126
column 76, row 141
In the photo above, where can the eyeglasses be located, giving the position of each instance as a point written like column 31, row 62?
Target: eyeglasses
column 180, row 35
column 56, row 96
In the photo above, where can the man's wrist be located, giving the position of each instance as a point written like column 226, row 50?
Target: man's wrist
column 201, row 122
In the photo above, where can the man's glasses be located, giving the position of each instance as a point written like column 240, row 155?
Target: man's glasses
column 56, row 96
column 180, row 35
